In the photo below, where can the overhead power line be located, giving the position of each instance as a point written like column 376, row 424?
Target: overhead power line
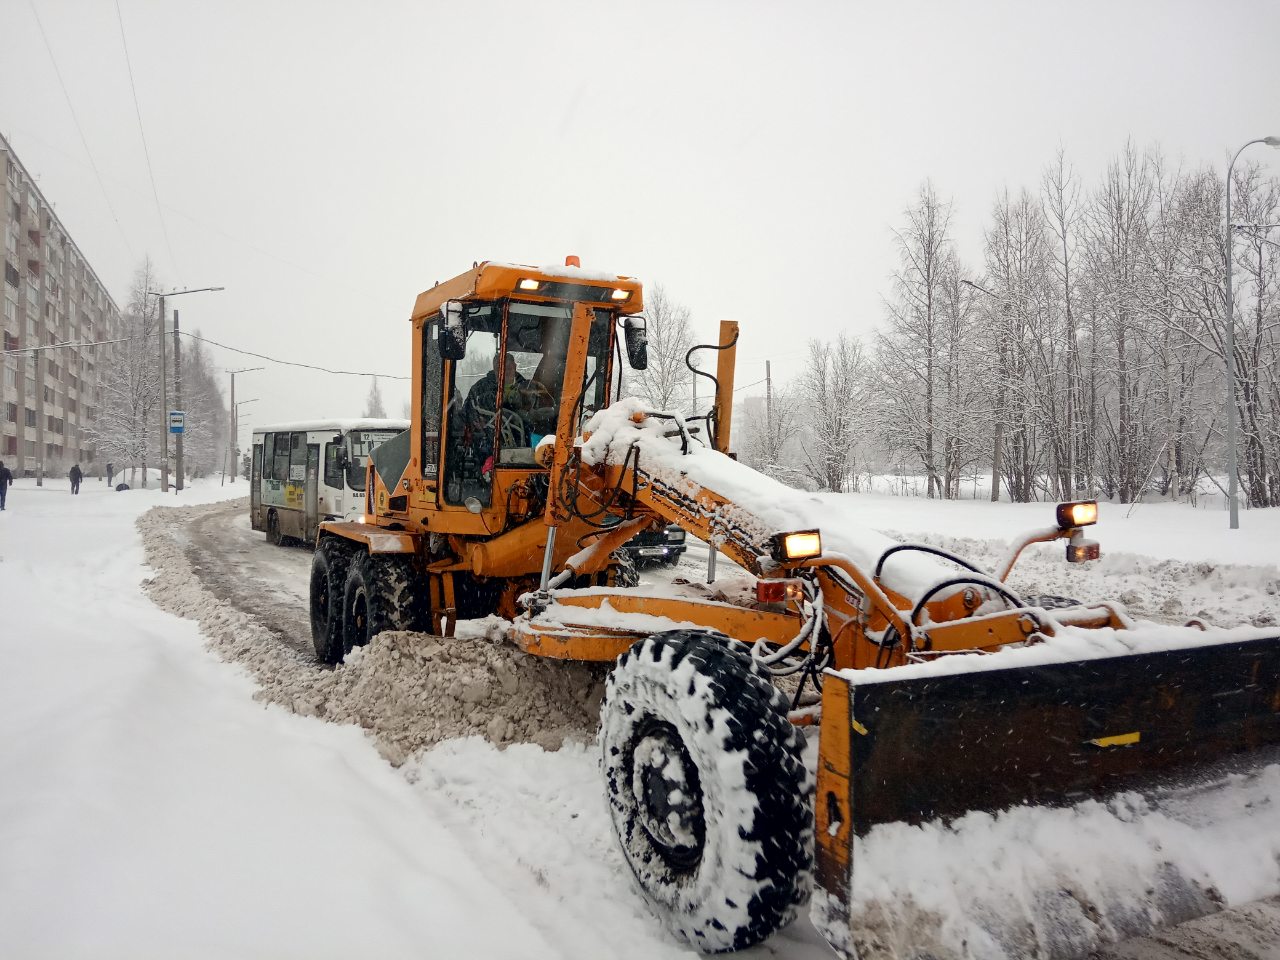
column 79, row 129
column 151, row 173
column 222, row 346
column 294, row 363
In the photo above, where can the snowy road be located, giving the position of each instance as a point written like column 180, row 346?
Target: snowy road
column 149, row 806
column 559, row 792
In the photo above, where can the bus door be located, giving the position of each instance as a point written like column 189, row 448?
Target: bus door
column 312, row 504
column 255, row 489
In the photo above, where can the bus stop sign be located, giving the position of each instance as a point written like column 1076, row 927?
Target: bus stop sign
column 177, row 421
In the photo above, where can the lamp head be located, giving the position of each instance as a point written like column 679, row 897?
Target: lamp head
column 1271, row 141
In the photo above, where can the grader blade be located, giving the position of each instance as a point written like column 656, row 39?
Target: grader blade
column 1041, row 811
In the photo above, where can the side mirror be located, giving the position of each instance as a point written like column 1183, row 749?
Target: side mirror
column 453, row 331
column 637, row 334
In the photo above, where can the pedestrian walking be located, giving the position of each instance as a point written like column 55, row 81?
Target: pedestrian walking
column 6, row 478
column 111, row 472
column 76, row 476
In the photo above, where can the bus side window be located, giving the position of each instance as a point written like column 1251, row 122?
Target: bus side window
column 333, row 465
column 280, row 466
column 268, row 455
column 298, row 459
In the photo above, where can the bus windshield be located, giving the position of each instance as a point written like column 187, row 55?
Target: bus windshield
column 360, row 444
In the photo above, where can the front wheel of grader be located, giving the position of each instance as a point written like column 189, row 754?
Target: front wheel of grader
column 381, row 593
column 708, row 789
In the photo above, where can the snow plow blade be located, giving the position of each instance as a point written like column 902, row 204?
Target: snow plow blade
column 1042, row 811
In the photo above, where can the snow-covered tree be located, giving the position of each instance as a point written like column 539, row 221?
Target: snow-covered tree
column 666, row 383
column 927, row 389
column 125, row 427
column 833, row 392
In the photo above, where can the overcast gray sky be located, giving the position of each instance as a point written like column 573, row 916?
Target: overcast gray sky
column 327, row 161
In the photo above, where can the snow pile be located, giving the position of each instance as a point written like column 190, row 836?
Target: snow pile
column 1166, row 589
column 408, row 690
column 1034, row 882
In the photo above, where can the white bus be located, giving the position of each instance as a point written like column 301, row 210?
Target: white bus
column 307, row 472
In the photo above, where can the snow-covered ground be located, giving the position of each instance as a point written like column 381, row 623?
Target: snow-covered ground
column 155, row 801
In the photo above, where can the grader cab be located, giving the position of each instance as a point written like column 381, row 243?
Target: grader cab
column 933, row 689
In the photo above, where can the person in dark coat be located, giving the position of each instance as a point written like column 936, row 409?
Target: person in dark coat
column 6, row 478
column 76, row 476
column 111, row 472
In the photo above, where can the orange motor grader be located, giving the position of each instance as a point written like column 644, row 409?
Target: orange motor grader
column 931, row 687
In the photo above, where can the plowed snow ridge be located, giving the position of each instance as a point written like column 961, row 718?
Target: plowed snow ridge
column 409, row 690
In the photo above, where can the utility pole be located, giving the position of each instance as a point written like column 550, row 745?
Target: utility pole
column 177, row 400
column 164, row 387
column 164, row 410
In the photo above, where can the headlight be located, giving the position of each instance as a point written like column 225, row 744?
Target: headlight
column 621, row 295
column 792, row 547
column 528, row 283
column 1078, row 514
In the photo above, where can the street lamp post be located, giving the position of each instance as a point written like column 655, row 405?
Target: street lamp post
column 164, row 388
column 233, row 440
column 1233, row 470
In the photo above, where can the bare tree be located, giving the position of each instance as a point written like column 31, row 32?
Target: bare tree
column 667, row 382
column 925, row 378
column 206, row 421
column 373, row 406
column 833, row 391
column 771, row 434
column 125, row 425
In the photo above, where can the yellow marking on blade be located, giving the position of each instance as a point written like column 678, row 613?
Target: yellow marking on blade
column 1119, row 740
column 859, row 728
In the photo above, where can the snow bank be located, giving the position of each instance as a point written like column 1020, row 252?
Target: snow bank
column 149, row 808
column 408, row 690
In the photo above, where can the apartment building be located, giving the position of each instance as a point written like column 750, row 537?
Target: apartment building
column 51, row 296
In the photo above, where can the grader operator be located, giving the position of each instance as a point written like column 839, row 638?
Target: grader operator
column 932, row 688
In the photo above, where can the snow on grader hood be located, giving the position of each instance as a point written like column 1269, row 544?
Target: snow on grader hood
column 963, row 731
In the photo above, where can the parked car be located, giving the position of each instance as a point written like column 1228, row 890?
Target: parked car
column 663, row 545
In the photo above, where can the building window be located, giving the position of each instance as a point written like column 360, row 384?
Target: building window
column 11, row 412
column 11, row 446
column 10, row 274
column 31, row 417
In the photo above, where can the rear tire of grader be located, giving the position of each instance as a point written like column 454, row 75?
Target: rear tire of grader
column 381, row 593
column 328, row 577
column 708, row 790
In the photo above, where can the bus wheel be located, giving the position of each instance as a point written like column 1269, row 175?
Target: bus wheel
column 328, row 577
column 381, row 593
column 273, row 529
